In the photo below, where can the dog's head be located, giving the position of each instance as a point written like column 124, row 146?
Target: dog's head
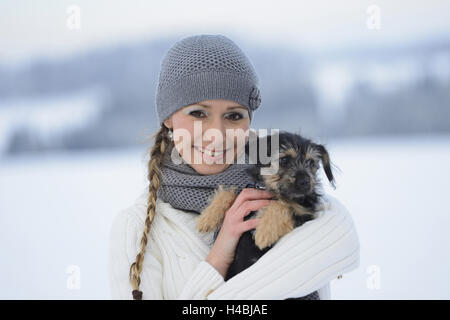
column 299, row 160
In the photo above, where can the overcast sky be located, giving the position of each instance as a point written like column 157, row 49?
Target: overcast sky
column 30, row 28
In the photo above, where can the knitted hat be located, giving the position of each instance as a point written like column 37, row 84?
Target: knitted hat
column 204, row 67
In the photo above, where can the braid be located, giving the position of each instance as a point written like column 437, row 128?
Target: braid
column 162, row 142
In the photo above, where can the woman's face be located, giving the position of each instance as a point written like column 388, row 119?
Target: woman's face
column 210, row 134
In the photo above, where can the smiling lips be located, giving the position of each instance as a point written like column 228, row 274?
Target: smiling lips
column 209, row 153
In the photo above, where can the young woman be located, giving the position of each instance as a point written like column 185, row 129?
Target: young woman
column 208, row 87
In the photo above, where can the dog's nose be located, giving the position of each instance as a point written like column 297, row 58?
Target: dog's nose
column 302, row 183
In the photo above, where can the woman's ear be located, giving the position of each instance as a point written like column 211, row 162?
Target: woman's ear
column 326, row 163
column 168, row 123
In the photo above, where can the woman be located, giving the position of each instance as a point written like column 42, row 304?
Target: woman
column 207, row 84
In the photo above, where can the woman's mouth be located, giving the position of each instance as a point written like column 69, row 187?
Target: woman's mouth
column 211, row 155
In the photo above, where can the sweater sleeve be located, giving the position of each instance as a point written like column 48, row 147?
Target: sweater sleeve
column 304, row 260
column 204, row 279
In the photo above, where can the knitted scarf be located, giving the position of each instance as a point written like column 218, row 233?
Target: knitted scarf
column 186, row 189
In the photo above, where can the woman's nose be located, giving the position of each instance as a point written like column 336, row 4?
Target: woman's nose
column 215, row 130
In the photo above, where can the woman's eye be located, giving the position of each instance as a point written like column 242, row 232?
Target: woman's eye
column 196, row 113
column 234, row 116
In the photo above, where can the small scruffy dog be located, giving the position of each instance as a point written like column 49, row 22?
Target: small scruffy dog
column 295, row 186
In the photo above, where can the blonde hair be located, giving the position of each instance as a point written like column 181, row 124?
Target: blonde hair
column 160, row 147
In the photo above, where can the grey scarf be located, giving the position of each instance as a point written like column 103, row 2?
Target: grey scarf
column 186, row 189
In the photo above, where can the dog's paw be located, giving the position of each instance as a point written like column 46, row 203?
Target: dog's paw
column 271, row 228
column 207, row 222
column 212, row 217
column 264, row 236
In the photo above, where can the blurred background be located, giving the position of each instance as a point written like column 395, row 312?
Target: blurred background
column 369, row 79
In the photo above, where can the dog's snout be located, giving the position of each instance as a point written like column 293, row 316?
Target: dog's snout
column 302, row 181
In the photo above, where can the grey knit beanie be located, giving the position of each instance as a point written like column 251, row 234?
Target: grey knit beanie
column 204, row 67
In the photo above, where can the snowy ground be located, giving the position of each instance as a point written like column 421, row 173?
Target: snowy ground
column 56, row 211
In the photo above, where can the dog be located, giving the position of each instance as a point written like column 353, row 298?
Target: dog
column 296, row 189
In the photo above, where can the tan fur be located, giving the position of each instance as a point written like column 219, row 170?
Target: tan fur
column 289, row 152
column 300, row 210
column 312, row 153
column 276, row 221
column 212, row 217
column 271, row 181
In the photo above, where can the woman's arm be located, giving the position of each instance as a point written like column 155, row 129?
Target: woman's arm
column 302, row 261
column 125, row 236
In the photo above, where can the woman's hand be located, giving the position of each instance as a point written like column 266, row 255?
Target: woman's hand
column 222, row 253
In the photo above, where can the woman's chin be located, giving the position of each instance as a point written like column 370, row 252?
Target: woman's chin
column 207, row 169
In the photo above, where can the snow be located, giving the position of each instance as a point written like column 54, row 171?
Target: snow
column 49, row 116
column 396, row 191
column 56, row 211
column 334, row 79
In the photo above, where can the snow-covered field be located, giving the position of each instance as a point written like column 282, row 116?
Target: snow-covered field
column 56, row 211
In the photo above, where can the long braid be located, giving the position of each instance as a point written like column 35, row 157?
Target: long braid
column 162, row 142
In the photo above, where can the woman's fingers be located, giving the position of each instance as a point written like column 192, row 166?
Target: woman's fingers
column 247, row 201
column 250, row 194
column 249, row 206
column 250, row 224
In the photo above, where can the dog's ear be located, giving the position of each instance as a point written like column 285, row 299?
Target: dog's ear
column 326, row 163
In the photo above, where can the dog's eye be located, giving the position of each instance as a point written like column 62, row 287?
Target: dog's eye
column 284, row 161
column 311, row 163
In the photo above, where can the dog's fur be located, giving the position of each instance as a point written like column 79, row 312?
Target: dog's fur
column 296, row 189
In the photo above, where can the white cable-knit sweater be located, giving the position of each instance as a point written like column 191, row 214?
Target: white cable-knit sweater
column 304, row 260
